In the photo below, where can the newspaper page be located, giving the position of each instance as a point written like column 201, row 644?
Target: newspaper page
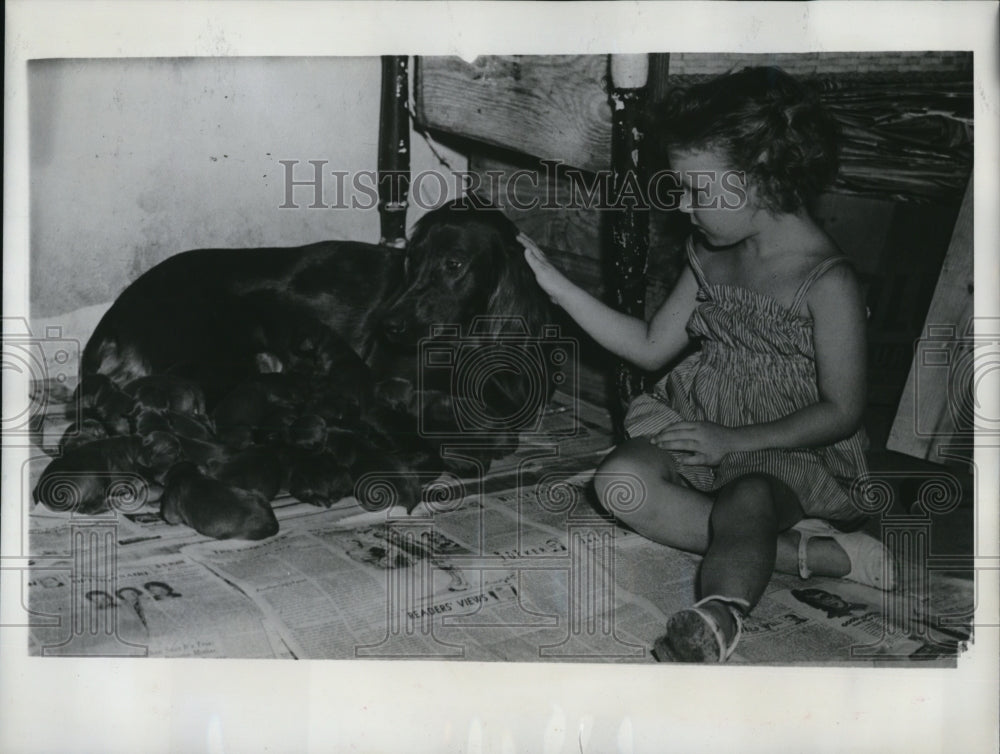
column 520, row 565
column 165, row 606
column 479, row 582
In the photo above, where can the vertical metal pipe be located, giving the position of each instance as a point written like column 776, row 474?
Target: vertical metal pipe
column 394, row 150
column 630, row 220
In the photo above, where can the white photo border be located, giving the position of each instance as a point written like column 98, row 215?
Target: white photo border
column 223, row 705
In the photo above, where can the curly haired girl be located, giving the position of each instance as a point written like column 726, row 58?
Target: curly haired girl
column 747, row 449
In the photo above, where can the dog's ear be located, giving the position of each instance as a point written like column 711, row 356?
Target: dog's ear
column 421, row 229
column 517, row 306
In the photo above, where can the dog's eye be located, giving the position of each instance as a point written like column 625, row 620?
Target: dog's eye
column 453, row 265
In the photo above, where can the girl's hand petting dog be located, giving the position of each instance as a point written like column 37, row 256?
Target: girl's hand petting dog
column 549, row 278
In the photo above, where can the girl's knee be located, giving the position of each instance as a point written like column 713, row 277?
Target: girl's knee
column 760, row 496
column 621, row 481
column 749, row 496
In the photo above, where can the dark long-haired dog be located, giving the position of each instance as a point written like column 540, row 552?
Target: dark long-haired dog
column 339, row 318
column 221, row 308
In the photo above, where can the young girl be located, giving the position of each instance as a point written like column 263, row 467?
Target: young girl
column 760, row 427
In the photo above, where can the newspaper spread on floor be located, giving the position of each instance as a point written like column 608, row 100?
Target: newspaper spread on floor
column 494, row 576
column 517, row 566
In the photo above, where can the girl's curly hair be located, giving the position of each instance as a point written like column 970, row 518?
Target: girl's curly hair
column 766, row 124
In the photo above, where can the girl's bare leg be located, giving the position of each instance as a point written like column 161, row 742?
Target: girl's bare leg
column 673, row 514
column 748, row 515
column 639, row 484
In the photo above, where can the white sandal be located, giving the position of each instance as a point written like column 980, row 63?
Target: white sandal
column 694, row 635
column 871, row 563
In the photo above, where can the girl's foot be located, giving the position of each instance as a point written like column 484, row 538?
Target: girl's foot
column 854, row 556
column 707, row 632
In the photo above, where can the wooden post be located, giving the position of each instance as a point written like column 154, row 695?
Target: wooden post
column 630, row 221
column 394, row 150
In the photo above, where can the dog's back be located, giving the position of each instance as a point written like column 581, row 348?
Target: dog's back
column 203, row 313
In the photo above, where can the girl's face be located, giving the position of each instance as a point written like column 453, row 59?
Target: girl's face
column 720, row 203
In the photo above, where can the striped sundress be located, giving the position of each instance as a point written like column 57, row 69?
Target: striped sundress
column 755, row 364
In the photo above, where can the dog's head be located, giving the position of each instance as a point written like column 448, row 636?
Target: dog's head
column 159, row 451
column 463, row 261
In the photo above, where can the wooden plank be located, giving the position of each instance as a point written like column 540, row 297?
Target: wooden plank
column 925, row 421
column 553, row 219
column 542, row 205
column 552, row 107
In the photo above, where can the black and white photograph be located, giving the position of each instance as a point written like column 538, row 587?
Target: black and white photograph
column 666, row 365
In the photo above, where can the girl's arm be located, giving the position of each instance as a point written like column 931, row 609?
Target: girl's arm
column 839, row 323
column 649, row 346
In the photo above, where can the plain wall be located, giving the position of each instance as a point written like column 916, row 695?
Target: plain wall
column 134, row 160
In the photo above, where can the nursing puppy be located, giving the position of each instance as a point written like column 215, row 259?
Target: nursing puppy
column 167, row 392
column 88, row 477
column 319, row 478
column 80, row 433
column 192, row 426
column 98, row 398
column 213, row 508
column 261, row 407
column 257, row 470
